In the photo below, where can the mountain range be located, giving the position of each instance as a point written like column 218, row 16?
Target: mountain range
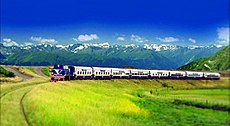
column 157, row 56
column 217, row 62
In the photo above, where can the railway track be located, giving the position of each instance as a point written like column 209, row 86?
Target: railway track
column 23, row 109
column 16, row 87
column 17, row 95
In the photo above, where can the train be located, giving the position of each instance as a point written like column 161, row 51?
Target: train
column 71, row 72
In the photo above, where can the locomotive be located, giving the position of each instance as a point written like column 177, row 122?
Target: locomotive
column 70, row 72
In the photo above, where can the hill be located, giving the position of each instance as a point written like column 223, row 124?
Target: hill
column 217, row 62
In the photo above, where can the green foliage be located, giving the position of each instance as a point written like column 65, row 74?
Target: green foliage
column 218, row 62
column 45, row 71
column 6, row 73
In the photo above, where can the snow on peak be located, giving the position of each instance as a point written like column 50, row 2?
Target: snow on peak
column 61, row 46
column 131, row 45
column 160, row 47
column 102, row 45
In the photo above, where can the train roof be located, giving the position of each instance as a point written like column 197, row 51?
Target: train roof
column 82, row 67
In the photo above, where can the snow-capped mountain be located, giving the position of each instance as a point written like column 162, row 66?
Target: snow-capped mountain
column 163, row 56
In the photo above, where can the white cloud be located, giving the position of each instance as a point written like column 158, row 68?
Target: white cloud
column 137, row 38
column 43, row 40
column 168, row 39
column 120, row 38
column 84, row 38
column 192, row 40
column 9, row 42
column 223, row 35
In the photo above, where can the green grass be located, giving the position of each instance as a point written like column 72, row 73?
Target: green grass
column 113, row 102
column 11, row 95
column 126, row 102
column 45, row 71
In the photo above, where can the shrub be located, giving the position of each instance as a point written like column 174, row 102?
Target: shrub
column 6, row 73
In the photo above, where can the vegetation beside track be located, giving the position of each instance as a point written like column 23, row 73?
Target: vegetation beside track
column 45, row 71
column 127, row 102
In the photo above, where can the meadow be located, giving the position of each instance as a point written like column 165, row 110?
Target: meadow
column 115, row 102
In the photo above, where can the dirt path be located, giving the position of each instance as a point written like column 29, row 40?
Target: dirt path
column 38, row 71
column 17, row 73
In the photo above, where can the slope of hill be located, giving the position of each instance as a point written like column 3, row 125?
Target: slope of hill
column 217, row 62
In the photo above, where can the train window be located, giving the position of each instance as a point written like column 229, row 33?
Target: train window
column 96, row 72
column 77, row 72
column 99, row 72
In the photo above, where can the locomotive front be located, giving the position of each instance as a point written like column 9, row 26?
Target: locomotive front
column 58, row 73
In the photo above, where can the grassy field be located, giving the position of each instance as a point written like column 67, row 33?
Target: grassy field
column 125, row 102
column 114, row 102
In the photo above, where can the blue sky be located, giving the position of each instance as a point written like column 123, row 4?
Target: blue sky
column 183, row 22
